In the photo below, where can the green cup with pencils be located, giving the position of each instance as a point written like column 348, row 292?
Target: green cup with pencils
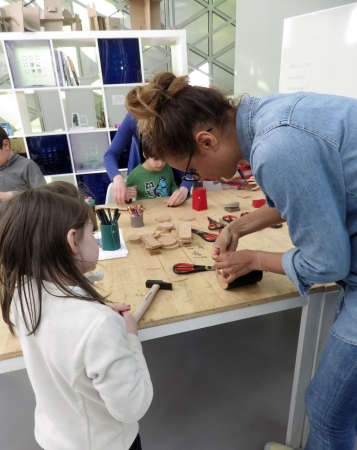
column 136, row 215
column 110, row 237
column 109, row 229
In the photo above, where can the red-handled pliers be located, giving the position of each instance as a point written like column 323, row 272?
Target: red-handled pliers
column 182, row 268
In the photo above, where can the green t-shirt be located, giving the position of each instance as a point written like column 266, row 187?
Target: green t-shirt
column 152, row 184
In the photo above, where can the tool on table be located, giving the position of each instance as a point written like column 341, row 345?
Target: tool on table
column 107, row 219
column 209, row 237
column 183, row 268
column 215, row 224
column 229, row 218
column 241, row 173
column 155, row 285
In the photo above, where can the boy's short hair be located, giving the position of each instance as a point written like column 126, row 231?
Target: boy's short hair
column 3, row 136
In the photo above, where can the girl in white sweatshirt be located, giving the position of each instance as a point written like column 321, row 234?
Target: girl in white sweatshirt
column 84, row 358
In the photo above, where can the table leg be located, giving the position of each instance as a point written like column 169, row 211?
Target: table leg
column 316, row 319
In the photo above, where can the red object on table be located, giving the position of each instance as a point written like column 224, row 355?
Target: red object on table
column 258, row 203
column 199, row 199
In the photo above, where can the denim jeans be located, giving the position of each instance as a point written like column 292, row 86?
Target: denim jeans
column 331, row 398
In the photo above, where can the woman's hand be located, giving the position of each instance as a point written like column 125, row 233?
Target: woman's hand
column 227, row 241
column 178, row 197
column 236, row 264
column 119, row 189
column 131, row 192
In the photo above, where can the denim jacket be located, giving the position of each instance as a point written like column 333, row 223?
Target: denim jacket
column 303, row 151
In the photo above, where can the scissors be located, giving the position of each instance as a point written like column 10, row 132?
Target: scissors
column 229, row 218
column 214, row 224
column 182, row 268
column 209, row 237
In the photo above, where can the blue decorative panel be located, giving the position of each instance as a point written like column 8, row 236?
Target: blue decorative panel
column 124, row 157
column 97, row 185
column 120, row 60
column 51, row 153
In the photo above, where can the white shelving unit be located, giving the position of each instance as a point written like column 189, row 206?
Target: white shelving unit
column 62, row 94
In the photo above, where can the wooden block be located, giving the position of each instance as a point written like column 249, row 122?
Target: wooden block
column 184, row 230
column 150, row 241
column 154, row 251
column 232, row 206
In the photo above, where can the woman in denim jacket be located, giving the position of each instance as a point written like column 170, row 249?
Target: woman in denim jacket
column 303, row 151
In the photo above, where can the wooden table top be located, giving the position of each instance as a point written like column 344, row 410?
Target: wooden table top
column 193, row 295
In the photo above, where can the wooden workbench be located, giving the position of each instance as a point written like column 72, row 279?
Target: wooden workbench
column 197, row 300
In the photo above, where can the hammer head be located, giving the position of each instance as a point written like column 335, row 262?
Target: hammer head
column 163, row 284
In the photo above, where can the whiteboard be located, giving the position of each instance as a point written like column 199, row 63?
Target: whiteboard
column 320, row 52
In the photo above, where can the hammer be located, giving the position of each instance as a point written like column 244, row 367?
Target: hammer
column 155, row 285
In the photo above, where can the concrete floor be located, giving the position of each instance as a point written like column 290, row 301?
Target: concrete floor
column 221, row 388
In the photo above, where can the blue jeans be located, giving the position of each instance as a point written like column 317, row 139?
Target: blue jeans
column 331, row 399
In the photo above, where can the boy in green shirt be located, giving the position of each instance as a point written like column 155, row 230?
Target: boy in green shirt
column 154, row 178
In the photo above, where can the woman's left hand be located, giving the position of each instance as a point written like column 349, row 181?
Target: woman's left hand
column 235, row 264
column 178, row 197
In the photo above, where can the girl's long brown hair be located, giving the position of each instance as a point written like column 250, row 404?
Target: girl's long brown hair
column 169, row 111
column 33, row 241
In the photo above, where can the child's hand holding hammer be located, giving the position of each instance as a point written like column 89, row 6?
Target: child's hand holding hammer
column 130, row 322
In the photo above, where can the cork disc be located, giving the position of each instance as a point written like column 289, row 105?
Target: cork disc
column 187, row 217
column 167, row 240
column 164, row 218
column 134, row 239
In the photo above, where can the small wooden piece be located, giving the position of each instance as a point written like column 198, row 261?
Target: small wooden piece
column 187, row 218
column 184, row 231
column 150, row 241
column 134, row 239
column 164, row 218
column 232, row 206
column 166, row 226
column 243, row 195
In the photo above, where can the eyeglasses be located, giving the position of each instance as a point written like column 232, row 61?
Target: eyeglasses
column 192, row 176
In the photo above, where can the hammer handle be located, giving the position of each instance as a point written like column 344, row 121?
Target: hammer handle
column 145, row 303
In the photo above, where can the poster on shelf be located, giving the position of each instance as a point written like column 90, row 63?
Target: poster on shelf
column 31, row 64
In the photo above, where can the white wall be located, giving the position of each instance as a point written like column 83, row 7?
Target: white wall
column 259, row 32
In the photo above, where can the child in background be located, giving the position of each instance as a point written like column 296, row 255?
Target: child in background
column 83, row 358
column 154, row 178
column 16, row 172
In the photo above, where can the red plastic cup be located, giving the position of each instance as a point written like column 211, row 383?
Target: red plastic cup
column 199, row 199
column 258, row 203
